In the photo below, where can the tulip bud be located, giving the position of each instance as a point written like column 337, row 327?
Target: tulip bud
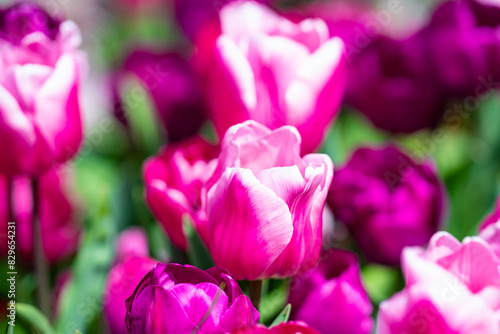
column 184, row 299
column 387, row 201
column 334, row 287
column 265, row 203
column 173, row 88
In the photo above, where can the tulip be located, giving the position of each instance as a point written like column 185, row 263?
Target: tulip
column 59, row 229
column 387, row 204
column 174, row 89
column 407, row 97
column 265, row 203
column 132, row 264
column 493, row 217
column 451, row 287
column 292, row 327
column 174, row 182
column 277, row 73
column 184, row 299
column 463, row 67
column 40, row 69
column 333, row 288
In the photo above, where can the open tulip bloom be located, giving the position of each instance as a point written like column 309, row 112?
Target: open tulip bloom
column 266, row 203
column 276, row 72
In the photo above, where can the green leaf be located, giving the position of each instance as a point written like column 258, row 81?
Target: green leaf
column 34, row 318
column 198, row 253
column 283, row 316
column 77, row 331
column 380, row 282
column 273, row 299
column 140, row 110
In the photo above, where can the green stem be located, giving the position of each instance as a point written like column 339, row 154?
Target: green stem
column 255, row 290
column 41, row 267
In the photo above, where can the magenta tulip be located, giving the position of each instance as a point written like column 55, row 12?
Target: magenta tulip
column 387, row 204
column 451, row 288
column 334, row 287
column 132, row 263
column 174, row 183
column 60, row 231
column 40, row 69
column 277, row 73
column 292, row 327
column 176, row 299
column 265, row 208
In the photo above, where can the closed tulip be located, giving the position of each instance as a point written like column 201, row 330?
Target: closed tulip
column 277, row 73
column 57, row 216
column 176, row 299
column 387, row 201
column 40, row 70
column 331, row 297
column 174, row 185
column 451, row 287
column 265, row 203
column 174, row 89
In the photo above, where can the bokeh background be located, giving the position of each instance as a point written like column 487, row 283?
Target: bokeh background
column 425, row 79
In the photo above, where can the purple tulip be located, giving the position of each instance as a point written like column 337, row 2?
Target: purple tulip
column 174, row 185
column 278, row 73
column 176, row 299
column 334, row 287
column 387, row 201
column 464, row 46
column 391, row 83
column 174, row 89
column 40, row 70
column 451, row 288
column 60, row 231
column 265, row 208
column 23, row 19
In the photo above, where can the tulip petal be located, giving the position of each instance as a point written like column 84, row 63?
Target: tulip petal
column 16, row 134
column 57, row 111
column 246, row 221
column 314, row 96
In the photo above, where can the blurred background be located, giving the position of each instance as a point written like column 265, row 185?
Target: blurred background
column 423, row 75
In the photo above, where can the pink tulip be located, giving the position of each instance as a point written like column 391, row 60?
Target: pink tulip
column 60, row 232
column 292, row 327
column 276, row 72
column 174, row 182
column 451, row 288
column 40, row 69
column 121, row 283
column 132, row 262
column 265, row 208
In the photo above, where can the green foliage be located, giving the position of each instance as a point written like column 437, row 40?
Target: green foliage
column 283, row 316
column 33, row 318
